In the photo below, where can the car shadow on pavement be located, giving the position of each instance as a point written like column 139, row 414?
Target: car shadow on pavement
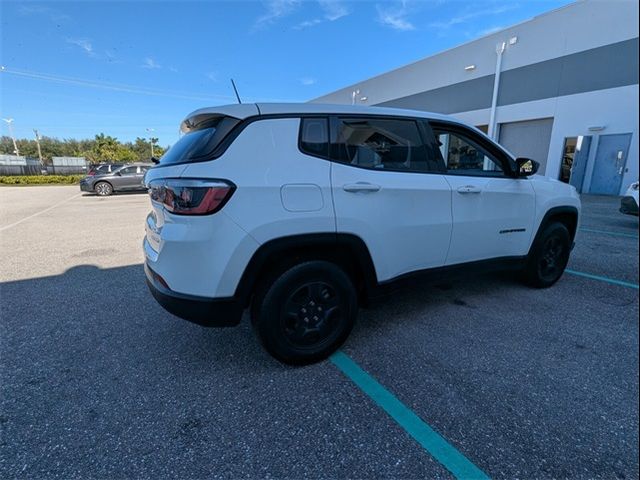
column 115, row 194
column 110, row 316
column 415, row 302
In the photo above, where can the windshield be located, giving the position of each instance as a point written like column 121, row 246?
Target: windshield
column 198, row 145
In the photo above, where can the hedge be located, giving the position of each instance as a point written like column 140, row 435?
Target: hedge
column 40, row 179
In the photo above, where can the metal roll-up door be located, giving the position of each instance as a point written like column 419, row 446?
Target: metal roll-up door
column 529, row 139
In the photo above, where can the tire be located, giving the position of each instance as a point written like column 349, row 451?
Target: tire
column 304, row 314
column 103, row 189
column 549, row 256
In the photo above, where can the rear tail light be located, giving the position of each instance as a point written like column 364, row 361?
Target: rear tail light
column 191, row 196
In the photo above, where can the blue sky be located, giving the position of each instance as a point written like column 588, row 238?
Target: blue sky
column 74, row 69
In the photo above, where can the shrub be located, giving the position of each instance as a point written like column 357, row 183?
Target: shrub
column 40, row 179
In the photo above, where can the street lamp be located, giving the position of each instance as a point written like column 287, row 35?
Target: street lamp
column 500, row 49
column 38, row 137
column 150, row 131
column 15, row 145
column 355, row 95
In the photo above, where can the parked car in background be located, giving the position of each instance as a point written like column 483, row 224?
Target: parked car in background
column 301, row 212
column 122, row 178
column 629, row 203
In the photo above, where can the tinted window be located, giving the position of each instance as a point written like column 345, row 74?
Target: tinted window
column 464, row 156
column 198, row 145
column 380, row 143
column 314, row 136
column 128, row 171
column 102, row 169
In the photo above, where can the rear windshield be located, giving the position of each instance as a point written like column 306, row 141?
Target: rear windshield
column 199, row 145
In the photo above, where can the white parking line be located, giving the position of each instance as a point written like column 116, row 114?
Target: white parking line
column 6, row 227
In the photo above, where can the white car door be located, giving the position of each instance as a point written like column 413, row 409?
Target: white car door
column 386, row 191
column 493, row 213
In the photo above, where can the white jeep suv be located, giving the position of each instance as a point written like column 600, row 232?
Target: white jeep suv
column 301, row 212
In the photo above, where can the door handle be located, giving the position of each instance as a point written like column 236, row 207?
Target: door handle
column 469, row 189
column 360, row 187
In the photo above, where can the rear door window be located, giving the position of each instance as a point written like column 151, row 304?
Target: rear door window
column 380, row 143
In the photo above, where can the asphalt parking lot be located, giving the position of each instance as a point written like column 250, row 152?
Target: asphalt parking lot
column 98, row 381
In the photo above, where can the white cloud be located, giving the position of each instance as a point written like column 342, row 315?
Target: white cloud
column 213, row 76
column 308, row 23
column 54, row 15
column 150, row 63
column 82, row 43
column 395, row 17
column 276, row 9
column 464, row 18
column 308, row 81
column 332, row 10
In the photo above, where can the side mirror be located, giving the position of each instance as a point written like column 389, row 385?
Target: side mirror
column 155, row 160
column 526, row 166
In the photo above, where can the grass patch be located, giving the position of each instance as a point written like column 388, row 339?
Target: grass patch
column 40, row 179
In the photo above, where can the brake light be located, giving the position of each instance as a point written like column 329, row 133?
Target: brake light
column 191, row 196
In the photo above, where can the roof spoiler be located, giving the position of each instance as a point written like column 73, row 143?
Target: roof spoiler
column 196, row 120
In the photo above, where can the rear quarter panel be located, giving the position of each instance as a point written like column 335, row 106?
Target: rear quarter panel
column 280, row 190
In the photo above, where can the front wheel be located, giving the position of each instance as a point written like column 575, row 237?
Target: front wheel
column 306, row 313
column 549, row 256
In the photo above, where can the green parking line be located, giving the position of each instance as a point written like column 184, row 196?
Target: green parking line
column 612, row 281
column 605, row 232
column 429, row 439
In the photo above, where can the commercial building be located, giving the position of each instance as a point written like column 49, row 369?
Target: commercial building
column 561, row 88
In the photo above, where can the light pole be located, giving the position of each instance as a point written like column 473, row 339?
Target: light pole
column 150, row 131
column 38, row 144
column 500, row 49
column 354, row 94
column 15, row 145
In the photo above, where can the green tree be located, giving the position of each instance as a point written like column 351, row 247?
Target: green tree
column 101, row 148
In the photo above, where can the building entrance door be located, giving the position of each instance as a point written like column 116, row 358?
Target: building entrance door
column 611, row 159
column 574, row 160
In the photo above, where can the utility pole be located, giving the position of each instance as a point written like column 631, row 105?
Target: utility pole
column 150, row 131
column 15, row 145
column 38, row 144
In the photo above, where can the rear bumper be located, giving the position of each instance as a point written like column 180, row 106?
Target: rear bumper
column 208, row 312
column 85, row 187
column 629, row 206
